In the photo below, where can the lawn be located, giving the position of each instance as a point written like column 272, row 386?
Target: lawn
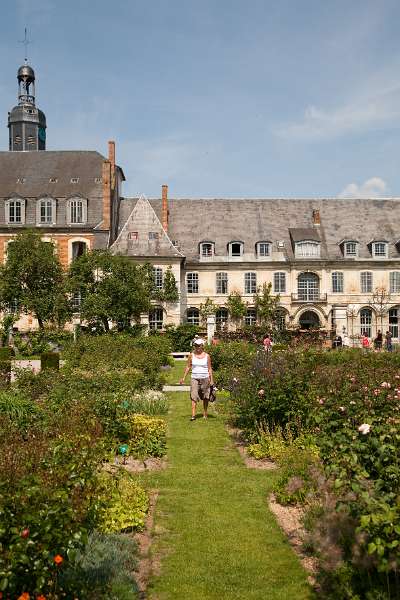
column 213, row 531
column 174, row 374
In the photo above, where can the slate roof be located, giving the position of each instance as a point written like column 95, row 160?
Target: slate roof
column 37, row 168
column 250, row 221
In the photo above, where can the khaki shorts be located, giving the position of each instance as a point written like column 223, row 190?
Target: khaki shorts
column 200, row 389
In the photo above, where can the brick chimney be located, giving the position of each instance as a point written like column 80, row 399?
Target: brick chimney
column 106, row 176
column 316, row 217
column 164, row 208
column 111, row 158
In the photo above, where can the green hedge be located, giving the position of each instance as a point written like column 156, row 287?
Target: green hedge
column 50, row 360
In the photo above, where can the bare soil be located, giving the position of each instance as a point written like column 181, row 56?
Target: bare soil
column 289, row 519
column 148, row 564
column 250, row 462
column 135, row 465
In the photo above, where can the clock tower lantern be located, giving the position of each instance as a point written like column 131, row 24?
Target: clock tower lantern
column 26, row 123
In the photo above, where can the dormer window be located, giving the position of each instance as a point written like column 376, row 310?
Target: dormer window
column 15, row 211
column 307, row 249
column 235, row 249
column 350, row 249
column 263, row 249
column 379, row 249
column 206, row 249
column 77, row 211
column 46, row 211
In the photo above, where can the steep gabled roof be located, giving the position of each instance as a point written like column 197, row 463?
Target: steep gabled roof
column 141, row 233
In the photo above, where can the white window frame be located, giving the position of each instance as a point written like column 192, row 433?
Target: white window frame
column 230, row 247
column 8, row 204
column 221, row 317
column 308, row 249
column 394, row 282
column 158, row 278
column 72, row 206
column 380, row 249
column 53, row 205
column 221, row 283
column 366, row 318
column 348, row 253
column 337, row 282
column 192, row 283
column 263, row 249
column 280, row 282
column 156, row 318
column 77, row 239
column 366, row 282
column 250, row 282
column 206, row 249
column 250, row 318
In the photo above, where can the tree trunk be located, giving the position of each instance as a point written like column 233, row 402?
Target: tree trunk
column 105, row 323
column 41, row 324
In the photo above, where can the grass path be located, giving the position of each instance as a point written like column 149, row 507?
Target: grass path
column 213, row 530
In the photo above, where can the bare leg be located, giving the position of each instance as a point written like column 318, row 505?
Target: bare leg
column 205, row 406
column 193, row 409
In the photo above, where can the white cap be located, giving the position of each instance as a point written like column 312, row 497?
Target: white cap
column 199, row 341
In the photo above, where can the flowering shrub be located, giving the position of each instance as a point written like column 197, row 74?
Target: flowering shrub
column 125, row 503
column 147, row 436
column 350, row 402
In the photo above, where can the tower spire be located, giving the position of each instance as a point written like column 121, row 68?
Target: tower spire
column 26, row 42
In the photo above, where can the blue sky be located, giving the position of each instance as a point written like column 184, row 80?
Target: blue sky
column 218, row 98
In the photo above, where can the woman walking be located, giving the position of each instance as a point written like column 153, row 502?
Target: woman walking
column 199, row 362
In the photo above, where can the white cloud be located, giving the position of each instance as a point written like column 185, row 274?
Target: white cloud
column 371, row 188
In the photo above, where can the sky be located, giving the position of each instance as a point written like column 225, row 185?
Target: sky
column 218, row 98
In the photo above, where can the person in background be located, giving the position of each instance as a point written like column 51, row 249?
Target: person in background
column 365, row 341
column 267, row 342
column 388, row 341
column 378, row 341
column 337, row 342
column 199, row 362
column 346, row 340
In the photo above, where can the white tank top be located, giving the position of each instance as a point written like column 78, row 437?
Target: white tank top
column 199, row 367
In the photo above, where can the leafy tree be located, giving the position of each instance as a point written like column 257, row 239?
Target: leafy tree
column 33, row 280
column 170, row 289
column 237, row 308
column 112, row 288
column 207, row 309
column 266, row 304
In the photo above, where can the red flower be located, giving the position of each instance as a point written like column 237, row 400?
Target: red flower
column 25, row 533
column 58, row 559
column 24, row 596
column 41, row 597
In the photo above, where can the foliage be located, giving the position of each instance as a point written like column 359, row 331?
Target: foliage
column 206, row 309
column 147, row 402
column 125, row 503
column 105, row 567
column 146, row 435
column 256, row 334
column 33, row 278
column 266, row 304
column 112, row 288
column 349, row 401
column 227, row 358
column 50, row 360
column 169, row 292
column 34, row 343
column 6, row 324
column 236, row 306
column 181, row 336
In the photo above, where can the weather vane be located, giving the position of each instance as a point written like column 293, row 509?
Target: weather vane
column 25, row 41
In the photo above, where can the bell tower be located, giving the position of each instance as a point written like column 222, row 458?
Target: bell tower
column 26, row 123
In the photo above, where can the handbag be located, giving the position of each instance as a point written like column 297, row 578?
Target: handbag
column 213, row 393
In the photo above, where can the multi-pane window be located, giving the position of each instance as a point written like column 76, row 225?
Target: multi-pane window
column 379, row 249
column 250, row 317
column 307, row 249
column 280, row 319
column 158, row 277
column 366, row 282
column 394, row 322
column 192, row 283
column 394, row 282
column 206, row 249
column 76, row 300
column 76, row 211
column 46, row 211
column 308, row 287
column 250, row 283
column 235, row 249
column 350, row 248
column 280, row 282
column 153, row 235
column 337, row 282
column 366, row 322
column 193, row 316
column 221, row 318
column 222, row 283
column 15, row 211
column 156, row 318
column 263, row 249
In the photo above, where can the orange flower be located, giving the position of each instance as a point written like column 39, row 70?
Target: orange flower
column 24, row 596
column 58, row 559
column 41, row 597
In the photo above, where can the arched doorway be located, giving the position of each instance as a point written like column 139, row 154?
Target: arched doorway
column 308, row 287
column 309, row 320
